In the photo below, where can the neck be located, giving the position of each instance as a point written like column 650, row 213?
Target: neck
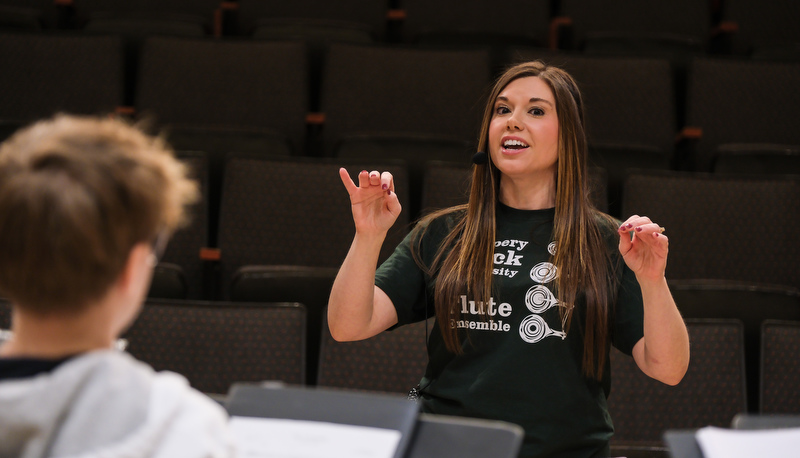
column 56, row 335
column 528, row 193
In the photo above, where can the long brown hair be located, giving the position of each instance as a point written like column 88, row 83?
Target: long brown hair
column 464, row 261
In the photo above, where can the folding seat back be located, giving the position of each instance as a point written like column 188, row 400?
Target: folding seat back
column 392, row 361
column 635, row 28
column 214, row 344
column 183, row 250
column 751, row 303
column 780, row 371
column 293, row 212
column 46, row 74
column 711, row 393
column 341, row 19
column 393, row 92
column 475, row 22
column 716, row 224
column 740, row 104
column 764, row 29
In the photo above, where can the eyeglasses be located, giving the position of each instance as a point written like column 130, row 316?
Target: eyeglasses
column 159, row 245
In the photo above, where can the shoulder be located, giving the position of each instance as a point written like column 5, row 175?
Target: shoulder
column 607, row 225
column 442, row 222
column 195, row 425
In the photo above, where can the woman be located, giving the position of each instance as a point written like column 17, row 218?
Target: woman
column 528, row 282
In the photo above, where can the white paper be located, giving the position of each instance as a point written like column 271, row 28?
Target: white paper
column 738, row 443
column 281, row 438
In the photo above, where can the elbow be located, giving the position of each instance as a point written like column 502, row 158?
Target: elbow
column 673, row 379
column 676, row 373
column 340, row 334
column 339, row 337
column 337, row 334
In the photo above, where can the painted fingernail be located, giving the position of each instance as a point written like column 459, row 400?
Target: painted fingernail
column 639, row 229
column 622, row 228
column 385, row 186
column 630, row 225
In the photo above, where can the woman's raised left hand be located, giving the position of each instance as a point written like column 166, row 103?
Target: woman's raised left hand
column 644, row 247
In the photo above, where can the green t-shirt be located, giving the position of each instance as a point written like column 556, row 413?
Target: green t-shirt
column 518, row 365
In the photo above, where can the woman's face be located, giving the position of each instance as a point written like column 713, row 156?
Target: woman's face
column 523, row 131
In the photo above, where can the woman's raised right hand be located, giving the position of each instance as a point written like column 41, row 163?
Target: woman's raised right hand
column 374, row 202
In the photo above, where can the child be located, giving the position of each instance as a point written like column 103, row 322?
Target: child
column 86, row 207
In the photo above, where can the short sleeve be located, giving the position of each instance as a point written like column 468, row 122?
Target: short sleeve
column 404, row 282
column 628, row 324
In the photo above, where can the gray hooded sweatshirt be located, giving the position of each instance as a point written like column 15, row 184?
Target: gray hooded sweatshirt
column 107, row 404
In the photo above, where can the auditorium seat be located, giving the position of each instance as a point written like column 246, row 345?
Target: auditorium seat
column 763, row 158
column 341, row 20
column 310, row 286
column 780, row 367
column 285, row 228
column 28, row 15
column 181, row 260
column 225, row 96
column 402, row 103
column 225, row 84
column 738, row 104
column 383, row 91
column 280, row 211
column 214, row 344
column 753, row 304
column 445, row 184
column 723, row 227
column 317, row 24
column 393, row 361
column 764, row 29
column 46, row 74
column 415, row 150
column 630, row 110
column 671, row 30
column 711, row 393
column 476, row 23
column 147, row 17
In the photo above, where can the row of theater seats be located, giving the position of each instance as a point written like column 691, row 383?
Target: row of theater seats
column 378, row 102
column 295, row 211
column 216, row 344
column 760, row 28
column 284, row 227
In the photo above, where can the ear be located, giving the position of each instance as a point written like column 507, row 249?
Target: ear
column 136, row 268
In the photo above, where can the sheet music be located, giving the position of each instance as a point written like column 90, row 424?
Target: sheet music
column 281, row 438
column 737, row 443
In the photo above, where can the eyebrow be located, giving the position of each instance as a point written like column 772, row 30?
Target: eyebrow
column 533, row 100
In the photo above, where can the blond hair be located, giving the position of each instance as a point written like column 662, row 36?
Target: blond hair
column 76, row 195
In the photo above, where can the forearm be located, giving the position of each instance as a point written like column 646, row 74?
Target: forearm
column 351, row 307
column 665, row 347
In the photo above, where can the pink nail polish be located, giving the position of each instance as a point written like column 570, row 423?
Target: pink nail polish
column 385, row 187
column 638, row 229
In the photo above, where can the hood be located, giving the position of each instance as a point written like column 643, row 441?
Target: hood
column 105, row 403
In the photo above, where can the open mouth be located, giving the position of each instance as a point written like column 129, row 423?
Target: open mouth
column 514, row 144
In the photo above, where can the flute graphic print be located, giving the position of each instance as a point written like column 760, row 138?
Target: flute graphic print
column 539, row 299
